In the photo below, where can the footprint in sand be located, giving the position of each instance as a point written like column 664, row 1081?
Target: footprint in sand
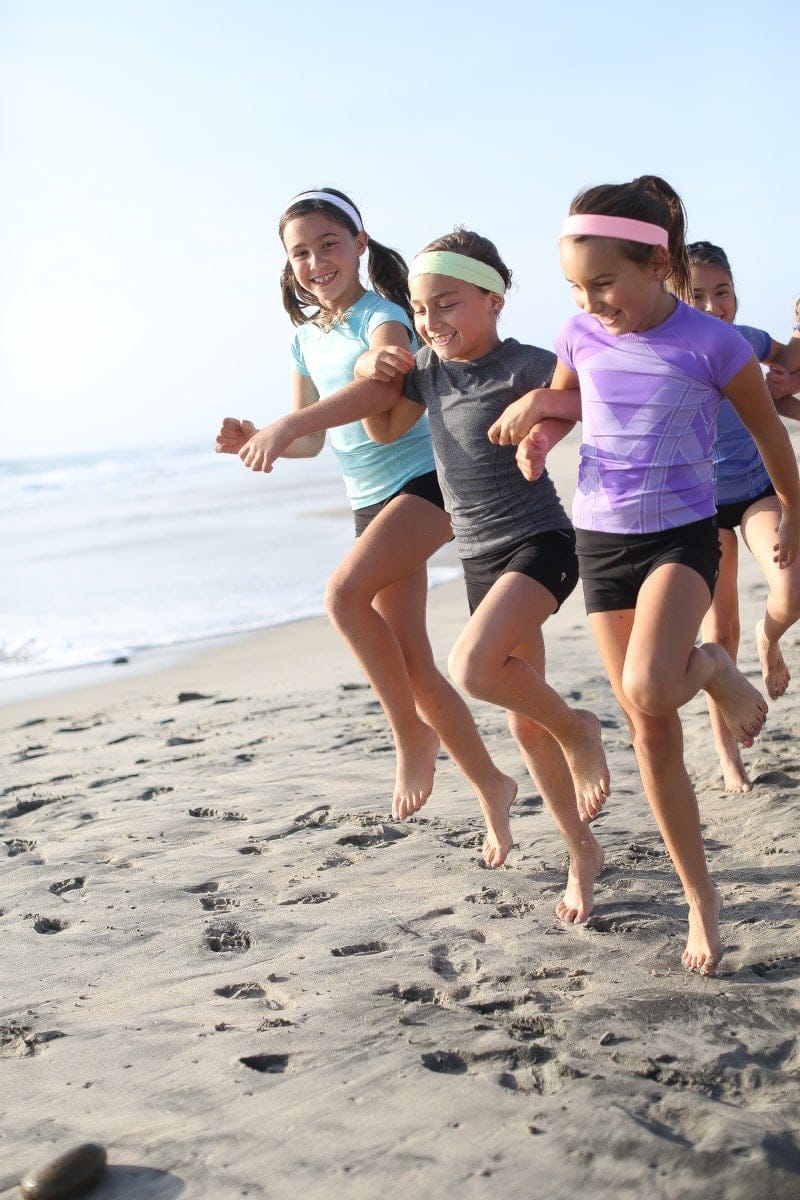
column 49, row 925
column 241, row 991
column 379, row 837
column 228, row 938
column 218, row 903
column 359, row 948
column 202, row 889
column 17, row 1041
column 67, row 885
column 151, row 793
column 217, row 814
column 784, row 964
column 19, row 846
column 309, row 898
column 266, row 1064
column 21, row 807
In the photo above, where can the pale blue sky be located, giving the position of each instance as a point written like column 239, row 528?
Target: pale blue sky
column 148, row 147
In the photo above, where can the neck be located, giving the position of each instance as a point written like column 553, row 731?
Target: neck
column 340, row 307
column 664, row 306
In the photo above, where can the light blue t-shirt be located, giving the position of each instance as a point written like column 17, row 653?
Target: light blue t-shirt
column 371, row 473
column 739, row 473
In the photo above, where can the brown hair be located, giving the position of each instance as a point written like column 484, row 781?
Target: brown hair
column 465, row 241
column 647, row 198
column 386, row 268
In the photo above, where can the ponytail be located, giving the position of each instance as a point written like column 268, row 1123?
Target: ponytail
column 647, row 198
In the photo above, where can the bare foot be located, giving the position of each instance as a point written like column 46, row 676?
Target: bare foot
column 416, row 765
column 743, row 708
column 586, row 760
column 496, row 809
column 703, row 946
column 773, row 668
column 585, row 863
column 734, row 776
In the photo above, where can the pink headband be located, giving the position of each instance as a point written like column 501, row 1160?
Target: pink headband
column 594, row 225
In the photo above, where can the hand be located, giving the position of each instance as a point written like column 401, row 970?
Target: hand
column 778, row 381
column 232, row 435
column 384, row 363
column 515, row 422
column 532, row 455
column 788, row 543
column 265, row 445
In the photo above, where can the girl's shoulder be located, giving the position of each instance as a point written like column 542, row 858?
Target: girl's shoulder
column 371, row 310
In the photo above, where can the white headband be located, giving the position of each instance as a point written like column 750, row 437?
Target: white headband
column 336, row 201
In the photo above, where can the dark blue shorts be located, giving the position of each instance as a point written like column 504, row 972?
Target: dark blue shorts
column 548, row 558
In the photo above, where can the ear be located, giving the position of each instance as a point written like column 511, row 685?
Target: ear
column 362, row 241
column 660, row 263
column 496, row 303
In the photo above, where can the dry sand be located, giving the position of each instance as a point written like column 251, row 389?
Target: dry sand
column 226, row 963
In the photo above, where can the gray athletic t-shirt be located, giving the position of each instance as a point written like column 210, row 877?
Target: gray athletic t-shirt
column 491, row 504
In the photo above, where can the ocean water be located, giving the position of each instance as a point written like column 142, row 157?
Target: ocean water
column 109, row 554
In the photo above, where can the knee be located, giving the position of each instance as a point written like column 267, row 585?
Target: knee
column 648, row 691
column 789, row 599
column 341, row 597
column 466, row 668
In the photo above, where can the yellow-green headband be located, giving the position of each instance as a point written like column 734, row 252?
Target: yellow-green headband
column 458, row 266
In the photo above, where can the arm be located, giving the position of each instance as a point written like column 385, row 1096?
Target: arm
column 783, row 379
column 749, row 396
column 789, row 406
column 389, row 363
column 354, row 402
column 535, row 446
column 562, row 400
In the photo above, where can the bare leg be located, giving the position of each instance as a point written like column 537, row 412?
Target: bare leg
column 759, row 529
column 548, row 769
column 657, row 682
column 485, row 663
column 443, row 709
column 376, row 599
column 654, row 643
column 721, row 625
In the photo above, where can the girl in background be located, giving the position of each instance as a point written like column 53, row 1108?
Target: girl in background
column 647, row 374
column 746, row 498
column 377, row 596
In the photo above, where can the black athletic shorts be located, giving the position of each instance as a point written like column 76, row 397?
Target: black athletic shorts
column 730, row 515
column 615, row 565
column 425, row 486
column 548, row 558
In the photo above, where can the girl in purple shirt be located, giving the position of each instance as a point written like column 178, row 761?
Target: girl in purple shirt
column 647, row 374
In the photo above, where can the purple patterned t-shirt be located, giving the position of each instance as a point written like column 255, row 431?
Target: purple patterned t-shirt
column 649, row 403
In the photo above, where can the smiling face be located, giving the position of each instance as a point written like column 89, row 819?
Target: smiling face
column 712, row 291
column 623, row 295
column 324, row 257
column 456, row 319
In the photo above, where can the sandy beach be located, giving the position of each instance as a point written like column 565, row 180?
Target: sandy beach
column 225, row 962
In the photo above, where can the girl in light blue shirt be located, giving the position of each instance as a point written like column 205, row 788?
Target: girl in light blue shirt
column 377, row 596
